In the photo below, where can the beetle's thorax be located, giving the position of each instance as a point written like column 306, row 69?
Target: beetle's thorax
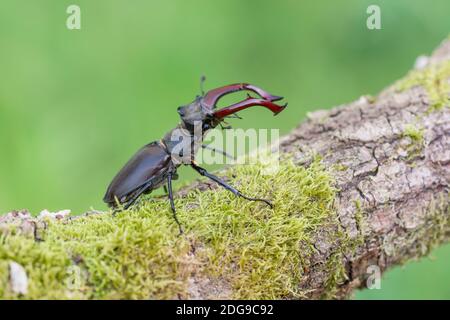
column 183, row 142
column 196, row 115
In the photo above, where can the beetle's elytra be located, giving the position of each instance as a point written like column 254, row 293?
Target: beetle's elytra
column 156, row 163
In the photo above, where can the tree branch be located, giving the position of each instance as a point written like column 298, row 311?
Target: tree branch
column 389, row 160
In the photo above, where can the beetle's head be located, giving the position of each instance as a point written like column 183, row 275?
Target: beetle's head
column 195, row 114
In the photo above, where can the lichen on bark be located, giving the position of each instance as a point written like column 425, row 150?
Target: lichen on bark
column 435, row 79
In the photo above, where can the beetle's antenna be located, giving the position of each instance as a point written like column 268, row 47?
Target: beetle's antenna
column 236, row 116
column 202, row 81
column 206, row 146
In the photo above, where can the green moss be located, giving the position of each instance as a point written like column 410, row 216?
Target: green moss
column 138, row 253
column 336, row 274
column 416, row 134
column 371, row 99
column 45, row 264
column 123, row 257
column 434, row 79
column 258, row 248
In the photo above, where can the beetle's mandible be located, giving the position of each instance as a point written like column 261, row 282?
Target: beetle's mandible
column 155, row 165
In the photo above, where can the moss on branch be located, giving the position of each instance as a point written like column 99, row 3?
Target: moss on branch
column 435, row 79
column 138, row 253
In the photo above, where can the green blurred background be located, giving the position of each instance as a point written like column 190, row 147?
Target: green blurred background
column 76, row 104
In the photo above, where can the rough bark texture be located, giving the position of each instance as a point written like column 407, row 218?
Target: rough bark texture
column 391, row 156
column 393, row 195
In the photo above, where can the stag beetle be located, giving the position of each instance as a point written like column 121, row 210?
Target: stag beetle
column 156, row 163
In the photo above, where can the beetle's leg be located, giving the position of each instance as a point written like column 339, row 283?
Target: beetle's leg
column 236, row 116
column 204, row 146
column 172, row 204
column 205, row 173
column 115, row 210
column 137, row 194
column 227, row 127
column 212, row 96
column 165, row 189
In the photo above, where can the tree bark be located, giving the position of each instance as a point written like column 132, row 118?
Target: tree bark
column 391, row 156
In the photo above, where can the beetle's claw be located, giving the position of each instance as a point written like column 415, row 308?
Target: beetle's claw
column 262, row 93
column 258, row 199
column 247, row 103
column 283, row 107
column 276, row 98
column 270, row 204
column 211, row 97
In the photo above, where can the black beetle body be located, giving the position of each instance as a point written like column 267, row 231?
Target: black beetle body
column 148, row 167
column 156, row 164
